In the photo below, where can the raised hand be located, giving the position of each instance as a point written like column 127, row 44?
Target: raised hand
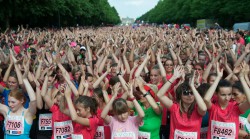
column 140, row 84
column 159, row 53
column 243, row 69
column 26, row 69
column 178, row 71
column 67, row 91
column 130, row 90
column 191, row 80
column 116, row 88
column 219, row 71
column 85, row 84
column 36, row 81
column 105, row 85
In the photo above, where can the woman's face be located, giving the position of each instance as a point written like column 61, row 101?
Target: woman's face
column 60, row 76
column 224, row 95
column 82, row 111
column 77, row 75
column 183, row 56
column 238, row 96
column 12, row 83
column 155, row 76
column 58, row 98
column 90, row 81
column 169, row 66
column 50, row 81
column 211, row 79
column 199, row 69
column 14, row 104
column 123, row 117
column 187, row 97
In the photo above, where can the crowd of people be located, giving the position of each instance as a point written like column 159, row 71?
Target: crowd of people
column 124, row 83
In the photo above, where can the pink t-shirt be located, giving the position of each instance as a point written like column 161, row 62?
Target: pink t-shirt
column 87, row 132
column 181, row 126
column 124, row 130
column 224, row 123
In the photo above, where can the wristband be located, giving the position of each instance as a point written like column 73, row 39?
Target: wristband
column 118, row 74
column 169, row 82
column 146, row 94
column 131, row 99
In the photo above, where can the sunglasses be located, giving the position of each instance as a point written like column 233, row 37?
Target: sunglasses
column 187, row 92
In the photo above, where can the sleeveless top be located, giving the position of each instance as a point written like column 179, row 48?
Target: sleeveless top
column 16, row 127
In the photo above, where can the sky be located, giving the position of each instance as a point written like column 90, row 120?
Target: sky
column 132, row 8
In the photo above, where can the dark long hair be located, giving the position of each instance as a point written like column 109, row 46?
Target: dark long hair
column 87, row 101
column 179, row 91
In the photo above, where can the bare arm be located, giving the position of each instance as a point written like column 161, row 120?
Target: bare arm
column 157, row 109
column 39, row 101
column 73, row 114
column 7, row 73
column 140, row 68
column 162, row 70
column 244, row 106
column 247, row 50
column 211, row 90
column 202, row 108
column 178, row 71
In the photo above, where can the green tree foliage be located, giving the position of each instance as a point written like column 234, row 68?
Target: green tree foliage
column 57, row 12
column 227, row 12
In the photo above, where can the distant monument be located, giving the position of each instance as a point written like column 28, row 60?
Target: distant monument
column 127, row 21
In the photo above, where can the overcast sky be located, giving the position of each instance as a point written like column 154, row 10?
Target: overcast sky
column 132, row 8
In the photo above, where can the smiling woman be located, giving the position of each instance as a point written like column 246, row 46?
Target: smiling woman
column 186, row 113
column 18, row 120
column 16, row 100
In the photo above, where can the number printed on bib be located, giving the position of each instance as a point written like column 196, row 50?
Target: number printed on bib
column 76, row 136
column 45, row 121
column 178, row 134
column 63, row 130
column 123, row 135
column 221, row 130
column 99, row 132
column 203, row 133
column 14, row 125
column 144, row 135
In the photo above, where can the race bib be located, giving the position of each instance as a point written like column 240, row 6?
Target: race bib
column 63, row 130
column 14, row 125
column 243, row 122
column 221, row 130
column 75, row 136
column 99, row 132
column 203, row 132
column 123, row 135
column 144, row 135
column 45, row 122
column 178, row 134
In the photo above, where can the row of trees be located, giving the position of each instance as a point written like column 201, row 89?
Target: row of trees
column 227, row 12
column 57, row 12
